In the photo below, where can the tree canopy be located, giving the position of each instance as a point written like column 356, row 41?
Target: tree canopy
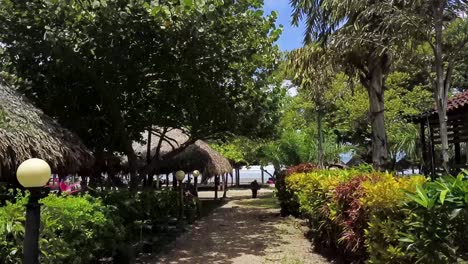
column 111, row 69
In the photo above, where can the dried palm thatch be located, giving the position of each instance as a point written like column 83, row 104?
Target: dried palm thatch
column 198, row 156
column 172, row 140
column 26, row 132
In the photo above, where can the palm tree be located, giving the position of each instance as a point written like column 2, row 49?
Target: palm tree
column 360, row 48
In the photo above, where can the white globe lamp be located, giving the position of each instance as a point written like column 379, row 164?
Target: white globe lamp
column 33, row 173
column 180, row 175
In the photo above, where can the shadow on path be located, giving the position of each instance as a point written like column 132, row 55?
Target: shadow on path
column 229, row 233
column 242, row 231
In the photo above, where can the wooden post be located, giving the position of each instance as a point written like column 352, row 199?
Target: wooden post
column 225, row 183
column 195, row 186
column 457, row 145
column 263, row 175
column 181, row 199
column 433, row 168
column 422, row 135
column 222, row 182
column 174, row 181
column 150, row 180
column 238, row 176
column 216, row 186
column 167, row 180
column 466, row 152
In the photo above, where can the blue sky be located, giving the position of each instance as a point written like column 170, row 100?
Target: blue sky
column 292, row 36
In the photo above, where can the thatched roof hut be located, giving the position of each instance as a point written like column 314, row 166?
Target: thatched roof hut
column 172, row 140
column 26, row 132
column 197, row 156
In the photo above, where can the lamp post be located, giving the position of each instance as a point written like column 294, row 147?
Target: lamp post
column 33, row 174
column 180, row 175
column 195, row 174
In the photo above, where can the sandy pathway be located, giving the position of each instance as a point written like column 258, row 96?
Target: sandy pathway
column 243, row 231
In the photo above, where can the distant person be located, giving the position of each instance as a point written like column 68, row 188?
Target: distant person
column 255, row 187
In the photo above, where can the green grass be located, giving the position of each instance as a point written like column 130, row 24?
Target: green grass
column 265, row 203
column 288, row 258
column 291, row 260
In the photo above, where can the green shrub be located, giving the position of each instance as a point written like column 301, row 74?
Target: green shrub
column 435, row 229
column 77, row 230
column 314, row 193
column 288, row 202
column 73, row 230
column 381, row 218
column 84, row 229
column 141, row 213
column 383, row 201
column 12, row 219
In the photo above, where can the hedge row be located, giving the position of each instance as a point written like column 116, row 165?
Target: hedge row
column 380, row 218
column 86, row 229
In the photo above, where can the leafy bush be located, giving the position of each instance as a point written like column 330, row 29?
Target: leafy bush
column 289, row 205
column 73, row 230
column 141, row 213
column 12, row 219
column 383, row 201
column 84, row 229
column 301, row 168
column 350, row 214
column 381, row 218
column 441, row 205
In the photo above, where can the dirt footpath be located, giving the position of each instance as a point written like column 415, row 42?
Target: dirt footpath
column 243, row 231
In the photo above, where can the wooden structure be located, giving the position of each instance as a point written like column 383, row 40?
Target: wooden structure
column 26, row 132
column 196, row 156
column 457, row 128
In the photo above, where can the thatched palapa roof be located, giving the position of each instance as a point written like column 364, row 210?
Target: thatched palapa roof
column 173, row 139
column 26, row 132
column 197, row 156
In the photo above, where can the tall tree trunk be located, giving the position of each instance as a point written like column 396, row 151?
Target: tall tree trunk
column 149, row 180
column 132, row 164
column 121, row 134
column 374, row 83
column 320, row 139
column 148, row 146
column 441, row 83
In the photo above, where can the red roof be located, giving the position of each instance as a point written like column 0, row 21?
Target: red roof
column 458, row 101
column 454, row 103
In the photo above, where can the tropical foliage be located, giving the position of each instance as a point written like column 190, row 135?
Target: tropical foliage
column 382, row 218
column 85, row 229
column 108, row 70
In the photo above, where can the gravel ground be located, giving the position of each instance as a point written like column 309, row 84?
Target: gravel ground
column 243, row 231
